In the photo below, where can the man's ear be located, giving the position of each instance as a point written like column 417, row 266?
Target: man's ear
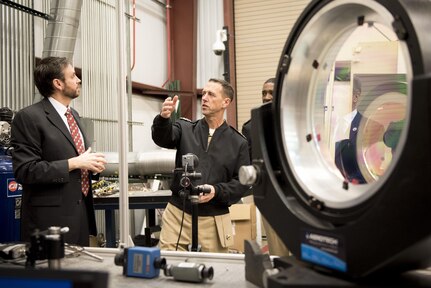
column 226, row 102
column 58, row 84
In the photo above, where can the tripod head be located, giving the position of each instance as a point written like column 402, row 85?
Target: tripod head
column 189, row 163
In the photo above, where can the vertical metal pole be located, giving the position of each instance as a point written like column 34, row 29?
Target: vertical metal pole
column 195, row 227
column 129, row 82
column 122, row 127
column 226, row 62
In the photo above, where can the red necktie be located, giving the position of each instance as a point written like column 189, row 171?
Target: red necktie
column 79, row 144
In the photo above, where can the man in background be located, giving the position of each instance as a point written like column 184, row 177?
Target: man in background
column 353, row 133
column 267, row 89
column 275, row 245
column 52, row 159
column 221, row 151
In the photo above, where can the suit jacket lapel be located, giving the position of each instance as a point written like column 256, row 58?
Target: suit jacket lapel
column 55, row 119
column 354, row 127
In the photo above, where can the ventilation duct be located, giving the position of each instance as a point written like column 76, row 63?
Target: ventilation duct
column 62, row 28
column 61, row 31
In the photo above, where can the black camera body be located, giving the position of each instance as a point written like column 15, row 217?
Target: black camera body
column 189, row 163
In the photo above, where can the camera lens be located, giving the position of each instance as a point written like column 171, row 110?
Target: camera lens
column 160, row 263
column 119, row 259
column 208, row 273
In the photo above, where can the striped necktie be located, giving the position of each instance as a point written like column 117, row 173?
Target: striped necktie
column 79, row 144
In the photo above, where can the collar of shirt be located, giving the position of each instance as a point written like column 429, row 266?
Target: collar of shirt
column 211, row 131
column 60, row 108
column 349, row 117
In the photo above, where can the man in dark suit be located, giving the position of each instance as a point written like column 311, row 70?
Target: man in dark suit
column 267, row 90
column 353, row 133
column 49, row 162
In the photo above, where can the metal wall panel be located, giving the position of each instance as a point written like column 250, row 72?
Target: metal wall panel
column 16, row 57
column 261, row 30
column 99, row 74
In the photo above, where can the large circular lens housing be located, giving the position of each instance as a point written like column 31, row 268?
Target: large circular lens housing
column 343, row 149
column 344, row 43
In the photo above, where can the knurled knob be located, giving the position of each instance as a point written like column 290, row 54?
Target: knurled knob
column 247, row 175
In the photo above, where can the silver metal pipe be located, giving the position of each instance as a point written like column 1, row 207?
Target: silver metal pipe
column 142, row 163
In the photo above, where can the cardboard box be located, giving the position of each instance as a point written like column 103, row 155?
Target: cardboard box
column 244, row 225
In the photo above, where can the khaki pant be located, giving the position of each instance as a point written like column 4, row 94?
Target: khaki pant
column 214, row 232
column 275, row 245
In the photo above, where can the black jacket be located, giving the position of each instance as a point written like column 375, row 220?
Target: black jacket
column 219, row 162
column 246, row 131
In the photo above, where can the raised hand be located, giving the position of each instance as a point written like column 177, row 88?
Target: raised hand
column 168, row 106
